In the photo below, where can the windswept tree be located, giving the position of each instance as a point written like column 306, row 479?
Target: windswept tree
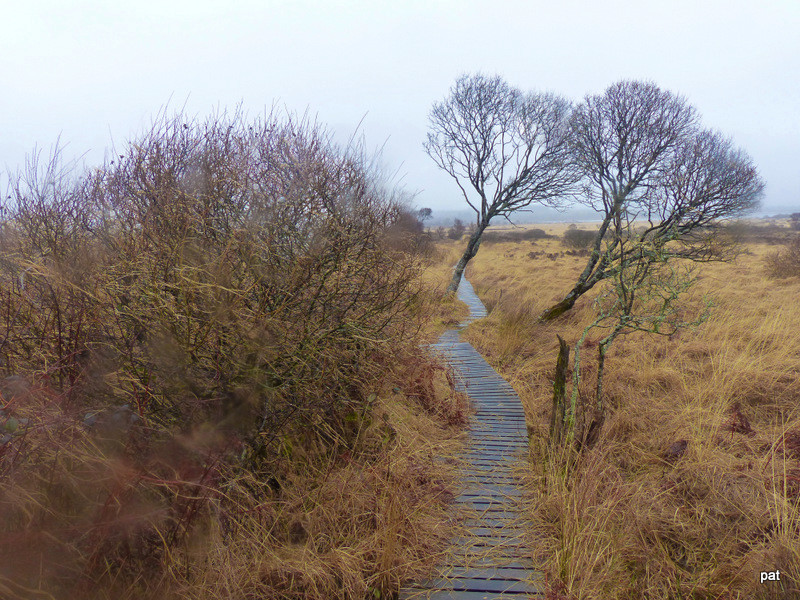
column 642, row 291
column 506, row 149
column 645, row 159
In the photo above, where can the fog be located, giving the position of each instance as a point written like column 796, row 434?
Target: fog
column 95, row 73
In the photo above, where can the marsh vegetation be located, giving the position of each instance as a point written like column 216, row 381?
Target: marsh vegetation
column 212, row 383
column 690, row 488
column 210, row 376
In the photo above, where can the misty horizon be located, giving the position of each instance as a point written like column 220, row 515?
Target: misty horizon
column 97, row 75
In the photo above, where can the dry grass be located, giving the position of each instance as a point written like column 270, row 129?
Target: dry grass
column 694, row 486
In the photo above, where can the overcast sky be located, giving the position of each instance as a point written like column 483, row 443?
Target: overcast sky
column 96, row 70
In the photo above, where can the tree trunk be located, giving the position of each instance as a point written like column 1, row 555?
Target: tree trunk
column 592, row 273
column 469, row 254
column 559, row 393
column 569, row 300
column 563, row 306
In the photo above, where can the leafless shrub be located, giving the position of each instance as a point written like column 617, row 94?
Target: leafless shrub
column 408, row 234
column 209, row 258
column 579, row 239
column 177, row 315
column 786, row 262
column 515, row 235
column 457, row 230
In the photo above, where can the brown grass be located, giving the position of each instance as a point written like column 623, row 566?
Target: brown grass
column 692, row 489
column 84, row 517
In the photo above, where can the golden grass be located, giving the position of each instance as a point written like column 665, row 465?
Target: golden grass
column 635, row 521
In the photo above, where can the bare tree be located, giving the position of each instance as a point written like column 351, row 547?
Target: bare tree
column 506, row 149
column 642, row 153
column 642, row 292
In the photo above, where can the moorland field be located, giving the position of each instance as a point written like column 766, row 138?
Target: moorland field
column 212, row 385
column 693, row 486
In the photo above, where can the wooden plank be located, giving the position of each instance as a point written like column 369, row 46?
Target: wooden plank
column 491, row 491
column 500, row 433
column 497, row 451
column 477, row 478
column 509, row 428
column 488, row 441
column 513, row 448
column 486, row 483
column 513, row 432
column 490, row 522
column 503, row 463
column 506, row 532
column 503, row 430
column 497, row 402
column 488, row 559
column 489, row 416
column 482, row 412
column 473, row 494
column 481, row 585
column 494, row 454
column 482, row 508
column 486, row 473
column 455, row 595
column 484, row 562
column 497, row 465
column 484, row 458
column 485, row 477
column 506, row 546
column 519, row 574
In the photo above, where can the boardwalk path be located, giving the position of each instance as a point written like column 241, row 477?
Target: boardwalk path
column 487, row 559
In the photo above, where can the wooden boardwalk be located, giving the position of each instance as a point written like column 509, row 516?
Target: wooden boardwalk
column 487, row 559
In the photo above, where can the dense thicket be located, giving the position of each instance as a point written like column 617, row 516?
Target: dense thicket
column 208, row 266
column 166, row 317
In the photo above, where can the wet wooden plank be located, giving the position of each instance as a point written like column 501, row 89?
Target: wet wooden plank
column 481, row 585
column 504, row 482
column 456, row 595
column 511, row 574
column 488, row 522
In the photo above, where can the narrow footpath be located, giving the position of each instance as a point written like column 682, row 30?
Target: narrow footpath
column 487, row 559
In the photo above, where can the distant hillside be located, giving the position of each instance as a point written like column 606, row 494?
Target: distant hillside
column 445, row 218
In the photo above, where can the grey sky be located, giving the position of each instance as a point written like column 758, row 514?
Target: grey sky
column 92, row 69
